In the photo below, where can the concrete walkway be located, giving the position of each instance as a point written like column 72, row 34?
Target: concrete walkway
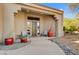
column 38, row 46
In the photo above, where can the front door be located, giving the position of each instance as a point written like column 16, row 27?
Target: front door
column 33, row 26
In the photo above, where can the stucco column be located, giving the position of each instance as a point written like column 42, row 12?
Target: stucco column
column 8, row 22
column 56, row 28
column 59, row 25
column 56, row 25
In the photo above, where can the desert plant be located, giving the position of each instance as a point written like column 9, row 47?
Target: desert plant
column 22, row 36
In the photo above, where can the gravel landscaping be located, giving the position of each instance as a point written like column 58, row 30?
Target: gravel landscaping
column 69, row 43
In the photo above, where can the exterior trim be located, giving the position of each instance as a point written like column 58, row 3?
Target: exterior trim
column 58, row 11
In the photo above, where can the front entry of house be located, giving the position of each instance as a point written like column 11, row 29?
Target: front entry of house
column 33, row 26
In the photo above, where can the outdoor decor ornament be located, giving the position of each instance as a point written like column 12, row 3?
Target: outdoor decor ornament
column 50, row 33
column 23, row 37
column 9, row 39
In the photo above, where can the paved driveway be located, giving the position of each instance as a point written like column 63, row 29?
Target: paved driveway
column 38, row 46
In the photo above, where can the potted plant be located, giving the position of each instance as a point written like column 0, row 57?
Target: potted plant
column 23, row 38
column 9, row 39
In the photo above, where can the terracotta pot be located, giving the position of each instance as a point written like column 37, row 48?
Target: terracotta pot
column 23, row 40
column 50, row 33
column 8, row 41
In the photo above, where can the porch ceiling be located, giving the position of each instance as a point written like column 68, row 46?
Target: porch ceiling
column 40, row 9
column 34, row 11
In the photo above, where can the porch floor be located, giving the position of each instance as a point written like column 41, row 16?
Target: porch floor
column 38, row 46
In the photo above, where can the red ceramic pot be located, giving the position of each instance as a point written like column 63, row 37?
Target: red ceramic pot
column 8, row 41
column 23, row 40
column 50, row 33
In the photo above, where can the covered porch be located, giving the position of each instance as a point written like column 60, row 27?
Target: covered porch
column 34, row 18
column 34, row 23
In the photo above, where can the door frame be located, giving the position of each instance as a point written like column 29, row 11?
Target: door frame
column 31, row 20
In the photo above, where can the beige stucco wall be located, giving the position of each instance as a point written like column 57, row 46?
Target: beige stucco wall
column 19, row 20
column 48, row 22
